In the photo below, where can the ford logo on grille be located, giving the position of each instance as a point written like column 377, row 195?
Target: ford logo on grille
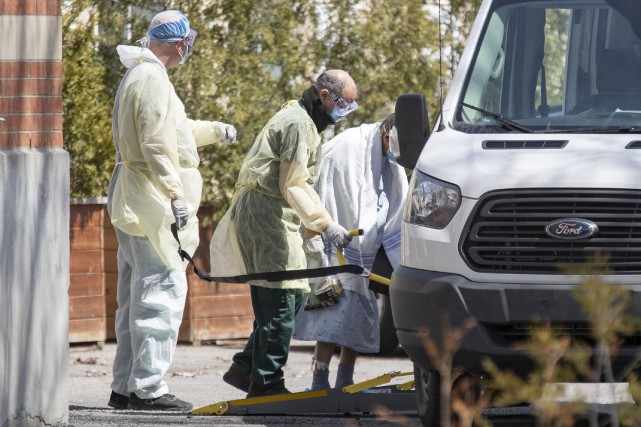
column 571, row 229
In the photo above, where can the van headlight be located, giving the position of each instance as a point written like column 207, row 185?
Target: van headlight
column 430, row 202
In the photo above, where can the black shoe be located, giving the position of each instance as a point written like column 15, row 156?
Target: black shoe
column 257, row 391
column 166, row 402
column 234, row 378
column 118, row 401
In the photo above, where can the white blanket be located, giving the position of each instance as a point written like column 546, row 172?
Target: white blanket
column 360, row 188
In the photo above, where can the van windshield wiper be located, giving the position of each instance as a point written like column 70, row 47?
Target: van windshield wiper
column 631, row 129
column 499, row 118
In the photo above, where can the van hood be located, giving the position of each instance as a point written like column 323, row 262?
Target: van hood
column 583, row 161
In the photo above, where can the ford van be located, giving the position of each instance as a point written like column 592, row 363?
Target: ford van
column 533, row 162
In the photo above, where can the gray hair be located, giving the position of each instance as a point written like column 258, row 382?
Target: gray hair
column 330, row 81
column 387, row 124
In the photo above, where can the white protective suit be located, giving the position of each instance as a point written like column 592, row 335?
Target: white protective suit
column 156, row 160
column 260, row 231
column 360, row 188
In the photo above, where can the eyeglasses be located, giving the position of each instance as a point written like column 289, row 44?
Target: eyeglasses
column 190, row 37
column 344, row 107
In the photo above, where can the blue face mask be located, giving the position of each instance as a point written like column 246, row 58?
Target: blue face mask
column 341, row 108
column 335, row 116
column 390, row 156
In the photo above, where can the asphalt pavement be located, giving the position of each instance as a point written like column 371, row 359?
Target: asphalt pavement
column 196, row 376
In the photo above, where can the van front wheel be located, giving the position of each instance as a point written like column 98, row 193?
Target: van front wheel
column 428, row 396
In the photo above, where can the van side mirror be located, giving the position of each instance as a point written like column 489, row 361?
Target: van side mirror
column 412, row 124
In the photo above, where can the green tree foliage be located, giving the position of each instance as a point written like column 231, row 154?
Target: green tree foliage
column 388, row 47
column 464, row 12
column 250, row 57
column 86, row 104
column 556, row 42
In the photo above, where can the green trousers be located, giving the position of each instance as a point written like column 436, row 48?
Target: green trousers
column 267, row 348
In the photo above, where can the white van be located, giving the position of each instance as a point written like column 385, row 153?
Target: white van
column 533, row 162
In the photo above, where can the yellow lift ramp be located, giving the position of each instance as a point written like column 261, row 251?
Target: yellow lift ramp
column 367, row 397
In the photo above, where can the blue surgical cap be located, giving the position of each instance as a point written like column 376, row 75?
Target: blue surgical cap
column 169, row 26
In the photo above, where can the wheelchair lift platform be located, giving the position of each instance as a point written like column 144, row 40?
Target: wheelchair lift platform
column 367, row 397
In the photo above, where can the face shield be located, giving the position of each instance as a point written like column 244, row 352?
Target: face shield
column 341, row 108
column 394, row 146
column 190, row 38
column 189, row 43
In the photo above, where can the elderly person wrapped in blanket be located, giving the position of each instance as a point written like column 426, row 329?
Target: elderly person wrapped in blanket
column 361, row 186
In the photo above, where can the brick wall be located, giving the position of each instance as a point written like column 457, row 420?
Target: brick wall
column 34, row 195
column 30, row 74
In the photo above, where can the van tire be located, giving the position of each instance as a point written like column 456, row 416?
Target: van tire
column 428, row 396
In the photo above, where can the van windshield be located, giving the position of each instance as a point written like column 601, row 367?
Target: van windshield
column 555, row 66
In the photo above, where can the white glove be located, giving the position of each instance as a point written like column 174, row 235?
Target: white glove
column 337, row 235
column 181, row 213
column 228, row 132
column 314, row 249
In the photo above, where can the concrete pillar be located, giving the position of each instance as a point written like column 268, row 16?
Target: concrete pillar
column 34, row 218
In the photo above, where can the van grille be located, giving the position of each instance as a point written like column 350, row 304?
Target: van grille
column 506, row 231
